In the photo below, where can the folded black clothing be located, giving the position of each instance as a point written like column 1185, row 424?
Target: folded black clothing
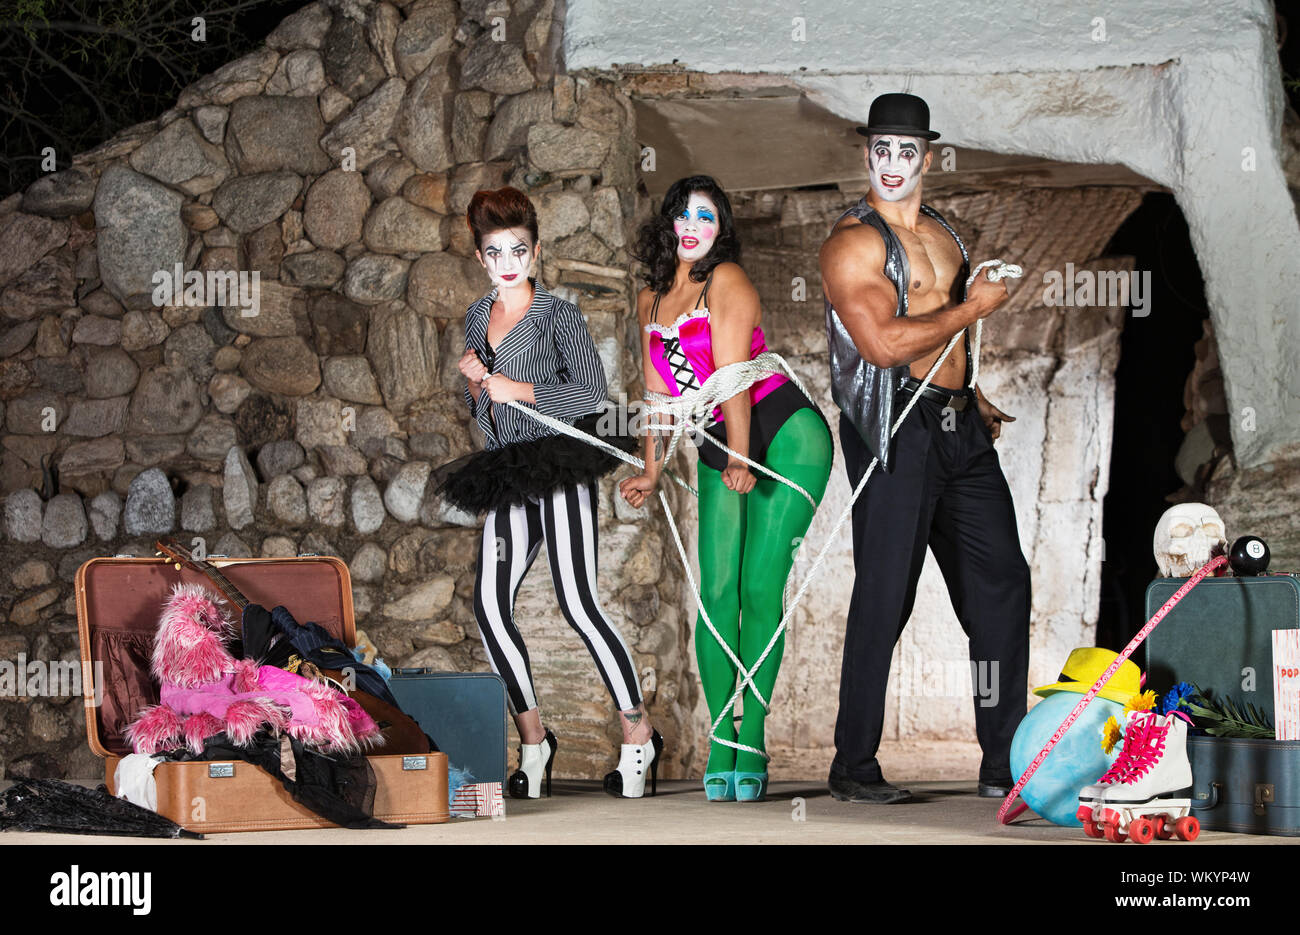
column 513, row 474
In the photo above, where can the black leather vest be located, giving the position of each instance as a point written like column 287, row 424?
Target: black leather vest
column 863, row 391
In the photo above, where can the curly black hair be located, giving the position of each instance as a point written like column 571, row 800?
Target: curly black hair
column 657, row 244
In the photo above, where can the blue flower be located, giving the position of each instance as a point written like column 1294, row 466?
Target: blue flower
column 1177, row 697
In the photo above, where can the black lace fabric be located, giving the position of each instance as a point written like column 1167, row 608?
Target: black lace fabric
column 52, row 805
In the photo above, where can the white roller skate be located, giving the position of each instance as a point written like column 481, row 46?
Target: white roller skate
column 1090, row 796
column 1090, row 800
column 1147, row 792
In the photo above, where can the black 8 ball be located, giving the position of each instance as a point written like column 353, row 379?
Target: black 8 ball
column 1248, row 556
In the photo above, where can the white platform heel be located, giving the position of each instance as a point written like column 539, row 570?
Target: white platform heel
column 634, row 761
column 535, row 761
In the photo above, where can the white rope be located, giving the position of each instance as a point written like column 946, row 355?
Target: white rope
column 693, row 406
column 998, row 270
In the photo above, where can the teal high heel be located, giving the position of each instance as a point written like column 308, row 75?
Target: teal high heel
column 720, row 787
column 751, row 787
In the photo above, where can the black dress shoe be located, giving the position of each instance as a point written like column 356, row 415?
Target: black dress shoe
column 877, row 793
column 994, row 790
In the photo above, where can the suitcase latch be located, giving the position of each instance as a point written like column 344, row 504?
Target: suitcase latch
column 415, row 762
column 1263, row 793
column 221, row 770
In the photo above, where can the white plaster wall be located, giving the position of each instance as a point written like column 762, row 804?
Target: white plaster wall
column 1186, row 93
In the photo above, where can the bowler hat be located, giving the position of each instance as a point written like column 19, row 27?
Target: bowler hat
column 905, row 114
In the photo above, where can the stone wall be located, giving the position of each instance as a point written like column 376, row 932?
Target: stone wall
column 337, row 161
column 1252, row 499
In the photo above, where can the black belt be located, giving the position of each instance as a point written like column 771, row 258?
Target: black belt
column 956, row 402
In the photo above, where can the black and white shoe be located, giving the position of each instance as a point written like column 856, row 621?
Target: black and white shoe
column 635, row 760
column 535, row 761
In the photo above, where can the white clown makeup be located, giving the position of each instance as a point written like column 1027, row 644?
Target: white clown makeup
column 894, row 165
column 696, row 227
column 508, row 255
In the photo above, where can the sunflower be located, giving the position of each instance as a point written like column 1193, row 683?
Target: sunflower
column 1110, row 735
column 1143, row 702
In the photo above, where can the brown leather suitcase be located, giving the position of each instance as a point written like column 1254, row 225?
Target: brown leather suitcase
column 119, row 601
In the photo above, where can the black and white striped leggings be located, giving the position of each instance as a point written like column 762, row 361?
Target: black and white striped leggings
column 566, row 520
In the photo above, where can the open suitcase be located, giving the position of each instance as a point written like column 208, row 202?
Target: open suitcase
column 1219, row 637
column 118, row 605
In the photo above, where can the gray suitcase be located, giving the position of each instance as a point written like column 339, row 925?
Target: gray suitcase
column 1219, row 637
column 1247, row 786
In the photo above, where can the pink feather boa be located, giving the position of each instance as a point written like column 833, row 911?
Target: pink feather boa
column 206, row 691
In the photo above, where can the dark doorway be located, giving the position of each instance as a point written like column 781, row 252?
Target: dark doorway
column 1156, row 356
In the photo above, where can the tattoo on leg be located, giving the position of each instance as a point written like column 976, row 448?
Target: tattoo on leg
column 636, row 723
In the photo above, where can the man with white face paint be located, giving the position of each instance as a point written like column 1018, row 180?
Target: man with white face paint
column 895, row 163
column 894, row 274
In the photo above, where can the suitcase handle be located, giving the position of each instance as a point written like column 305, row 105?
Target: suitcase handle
column 1214, row 798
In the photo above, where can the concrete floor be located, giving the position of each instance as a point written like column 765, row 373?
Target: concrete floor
column 796, row 812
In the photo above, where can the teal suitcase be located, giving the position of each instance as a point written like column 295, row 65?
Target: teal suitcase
column 1220, row 638
column 464, row 711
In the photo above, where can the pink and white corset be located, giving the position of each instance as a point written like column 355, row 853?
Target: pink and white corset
column 682, row 353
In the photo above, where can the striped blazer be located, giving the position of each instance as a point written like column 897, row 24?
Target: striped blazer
column 551, row 348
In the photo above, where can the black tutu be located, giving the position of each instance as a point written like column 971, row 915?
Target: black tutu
column 513, row 474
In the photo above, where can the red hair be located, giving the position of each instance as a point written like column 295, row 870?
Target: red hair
column 500, row 209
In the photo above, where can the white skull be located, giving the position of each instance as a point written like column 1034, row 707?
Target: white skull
column 1186, row 538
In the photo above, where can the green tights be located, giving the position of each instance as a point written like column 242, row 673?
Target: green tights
column 747, row 546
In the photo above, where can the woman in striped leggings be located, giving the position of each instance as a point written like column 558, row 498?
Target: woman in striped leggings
column 524, row 345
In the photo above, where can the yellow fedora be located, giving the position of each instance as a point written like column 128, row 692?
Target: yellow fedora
column 1085, row 665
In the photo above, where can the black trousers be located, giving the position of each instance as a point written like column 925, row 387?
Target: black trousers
column 947, row 491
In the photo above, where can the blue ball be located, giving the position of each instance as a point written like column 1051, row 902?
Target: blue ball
column 1076, row 761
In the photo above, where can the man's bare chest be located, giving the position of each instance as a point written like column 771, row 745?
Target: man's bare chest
column 934, row 262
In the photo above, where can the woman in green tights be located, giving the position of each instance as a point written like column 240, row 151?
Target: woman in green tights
column 699, row 313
